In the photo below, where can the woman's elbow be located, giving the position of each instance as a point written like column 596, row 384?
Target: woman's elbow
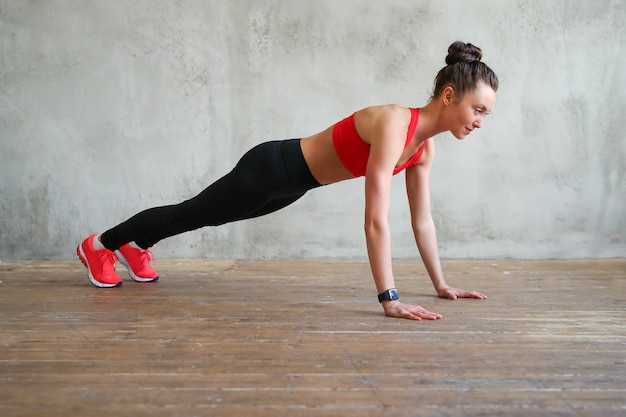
column 374, row 226
column 423, row 225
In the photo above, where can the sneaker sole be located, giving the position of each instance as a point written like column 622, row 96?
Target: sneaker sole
column 83, row 259
column 124, row 262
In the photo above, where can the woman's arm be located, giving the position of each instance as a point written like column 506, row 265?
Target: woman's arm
column 386, row 146
column 387, row 140
column 418, row 192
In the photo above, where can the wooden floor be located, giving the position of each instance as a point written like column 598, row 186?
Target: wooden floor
column 231, row 338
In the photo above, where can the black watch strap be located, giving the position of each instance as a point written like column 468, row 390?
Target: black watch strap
column 389, row 295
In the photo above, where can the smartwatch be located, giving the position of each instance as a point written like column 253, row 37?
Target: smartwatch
column 389, row 295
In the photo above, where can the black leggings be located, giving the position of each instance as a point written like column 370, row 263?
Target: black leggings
column 268, row 177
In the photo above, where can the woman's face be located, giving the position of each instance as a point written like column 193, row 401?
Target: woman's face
column 469, row 112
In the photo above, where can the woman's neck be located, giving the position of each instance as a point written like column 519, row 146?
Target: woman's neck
column 430, row 121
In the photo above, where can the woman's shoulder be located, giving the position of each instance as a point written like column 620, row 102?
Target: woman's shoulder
column 384, row 110
column 382, row 121
column 386, row 114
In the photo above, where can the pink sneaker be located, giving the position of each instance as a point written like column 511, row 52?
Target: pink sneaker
column 99, row 263
column 138, row 263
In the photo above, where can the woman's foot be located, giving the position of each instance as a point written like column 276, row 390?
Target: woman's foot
column 137, row 261
column 100, row 264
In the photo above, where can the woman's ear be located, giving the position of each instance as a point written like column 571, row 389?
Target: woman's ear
column 448, row 95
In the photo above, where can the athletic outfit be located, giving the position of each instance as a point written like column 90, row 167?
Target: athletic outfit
column 270, row 176
column 354, row 152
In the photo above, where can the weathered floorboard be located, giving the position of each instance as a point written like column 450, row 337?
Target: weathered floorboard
column 248, row 338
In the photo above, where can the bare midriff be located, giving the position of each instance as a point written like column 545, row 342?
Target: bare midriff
column 322, row 159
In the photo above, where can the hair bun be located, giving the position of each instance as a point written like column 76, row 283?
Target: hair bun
column 463, row 52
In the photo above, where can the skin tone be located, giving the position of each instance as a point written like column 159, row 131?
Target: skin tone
column 384, row 128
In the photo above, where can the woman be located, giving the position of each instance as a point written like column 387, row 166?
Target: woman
column 375, row 142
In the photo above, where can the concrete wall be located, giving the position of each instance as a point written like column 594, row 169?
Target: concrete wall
column 109, row 107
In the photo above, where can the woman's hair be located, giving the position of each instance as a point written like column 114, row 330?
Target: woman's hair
column 464, row 70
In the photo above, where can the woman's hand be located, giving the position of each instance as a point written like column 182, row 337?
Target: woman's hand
column 407, row 311
column 454, row 293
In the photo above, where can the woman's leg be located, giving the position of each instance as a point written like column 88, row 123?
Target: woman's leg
column 267, row 178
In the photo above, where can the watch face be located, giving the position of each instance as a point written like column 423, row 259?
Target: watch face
column 389, row 295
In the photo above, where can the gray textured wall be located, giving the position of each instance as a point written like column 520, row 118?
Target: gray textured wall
column 110, row 107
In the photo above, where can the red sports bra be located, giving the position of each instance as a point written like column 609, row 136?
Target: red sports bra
column 354, row 152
